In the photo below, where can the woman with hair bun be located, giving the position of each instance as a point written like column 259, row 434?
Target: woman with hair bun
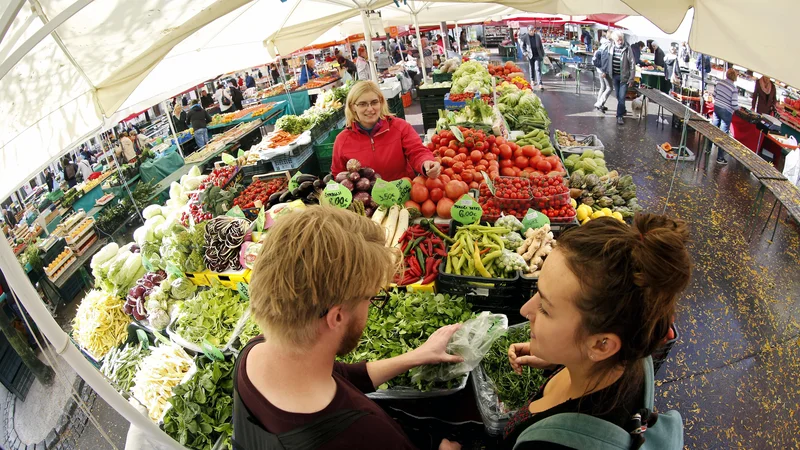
column 606, row 299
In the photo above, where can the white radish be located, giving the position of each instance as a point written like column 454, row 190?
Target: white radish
column 391, row 224
column 379, row 215
column 402, row 226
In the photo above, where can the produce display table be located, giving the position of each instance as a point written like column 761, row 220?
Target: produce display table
column 320, row 89
column 120, row 190
column 745, row 132
column 299, row 101
column 154, row 170
column 163, row 185
column 652, row 78
column 86, row 202
column 73, row 279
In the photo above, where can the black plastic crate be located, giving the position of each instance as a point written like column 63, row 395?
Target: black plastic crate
column 661, row 353
column 259, row 168
column 432, row 92
column 429, row 120
column 53, row 251
column 500, row 295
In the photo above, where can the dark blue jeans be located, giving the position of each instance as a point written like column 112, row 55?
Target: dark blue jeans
column 621, row 89
column 722, row 118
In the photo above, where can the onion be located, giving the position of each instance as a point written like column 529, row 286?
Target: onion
column 363, row 197
column 367, row 172
column 341, row 176
column 354, row 177
column 363, row 185
column 353, row 165
column 348, row 184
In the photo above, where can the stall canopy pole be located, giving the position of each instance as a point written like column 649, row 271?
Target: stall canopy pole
column 172, row 128
column 457, row 32
column 370, row 54
column 26, row 294
column 419, row 47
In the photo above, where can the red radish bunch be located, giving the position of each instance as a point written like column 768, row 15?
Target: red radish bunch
column 195, row 211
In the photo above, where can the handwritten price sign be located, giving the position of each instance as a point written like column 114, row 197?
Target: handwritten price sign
column 466, row 210
column 337, row 195
column 385, row 193
column 293, row 184
column 404, row 188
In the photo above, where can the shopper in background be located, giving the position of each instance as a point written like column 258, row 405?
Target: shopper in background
column 276, row 76
column 602, row 61
column 48, row 180
column 128, row 150
column 84, row 167
column 606, row 300
column 236, row 97
column 764, row 97
column 362, row 65
column 534, row 49
column 427, row 55
column 658, row 54
column 382, row 59
column 307, row 71
column 198, row 118
column 586, row 38
column 206, row 100
column 140, row 141
column 672, row 69
column 185, row 100
column 240, row 82
column 178, row 118
column 726, row 101
column 622, row 70
column 311, row 312
column 71, row 170
column 637, row 49
column 249, row 81
column 347, row 67
column 462, row 39
column 260, row 76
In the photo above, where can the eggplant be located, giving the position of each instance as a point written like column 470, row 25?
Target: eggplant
column 306, row 187
column 296, row 193
column 312, row 198
column 328, row 178
column 306, row 177
column 319, row 184
column 273, row 199
column 285, row 197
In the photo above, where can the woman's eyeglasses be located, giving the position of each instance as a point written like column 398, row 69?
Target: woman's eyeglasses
column 363, row 105
column 378, row 301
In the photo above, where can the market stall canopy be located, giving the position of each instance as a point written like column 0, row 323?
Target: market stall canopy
column 747, row 33
column 641, row 29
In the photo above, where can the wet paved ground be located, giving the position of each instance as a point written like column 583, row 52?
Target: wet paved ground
column 734, row 373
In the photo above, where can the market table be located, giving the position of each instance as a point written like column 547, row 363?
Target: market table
column 120, row 189
column 765, row 173
column 299, row 101
column 651, row 76
column 68, row 284
column 777, row 148
column 163, row 185
column 87, row 200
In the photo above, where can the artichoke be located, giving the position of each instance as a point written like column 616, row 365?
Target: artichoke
column 605, row 202
column 618, row 201
column 591, row 181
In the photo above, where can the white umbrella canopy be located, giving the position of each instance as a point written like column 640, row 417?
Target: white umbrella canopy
column 748, row 33
column 641, row 29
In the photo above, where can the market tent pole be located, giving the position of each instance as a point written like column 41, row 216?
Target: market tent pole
column 419, row 46
column 457, row 32
column 25, row 292
column 172, row 129
column 373, row 71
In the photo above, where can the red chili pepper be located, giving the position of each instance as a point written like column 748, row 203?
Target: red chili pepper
column 441, row 252
column 424, row 248
column 431, row 277
column 414, row 266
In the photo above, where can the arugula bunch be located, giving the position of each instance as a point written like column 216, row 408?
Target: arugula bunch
column 512, row 389
column 202, row 407
column 405, row 323
column 212, row 315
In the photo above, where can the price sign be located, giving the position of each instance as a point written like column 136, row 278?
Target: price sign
column 148, row 266
column 293, row 184
column 385, row 193
column 404, row 188
column 228, row 159
column 244, row 290
column 337, row 195
column 534, row 219
column 173, row 270
column 211, row 351
column 240, row 153
column 466, row 210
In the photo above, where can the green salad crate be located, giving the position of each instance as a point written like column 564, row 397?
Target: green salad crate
column 324, row 151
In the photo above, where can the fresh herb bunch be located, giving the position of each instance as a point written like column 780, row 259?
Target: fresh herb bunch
column 203, row 406
column 512, row 390
column 212, row 315
column 405, row 323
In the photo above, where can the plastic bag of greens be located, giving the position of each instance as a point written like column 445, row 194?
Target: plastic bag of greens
column 471, row 342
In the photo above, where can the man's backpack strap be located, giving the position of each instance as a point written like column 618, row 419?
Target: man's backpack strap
column 249, row 434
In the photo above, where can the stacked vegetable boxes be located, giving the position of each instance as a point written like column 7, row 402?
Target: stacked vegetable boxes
column 396, row 107
column 431, row 101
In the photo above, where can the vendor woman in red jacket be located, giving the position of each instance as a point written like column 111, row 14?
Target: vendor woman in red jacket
column 386, row 144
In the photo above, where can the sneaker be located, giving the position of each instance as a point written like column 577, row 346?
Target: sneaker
column 620, row 121
column 605, row 109
column 602, row 110
column 541, row 87
column 722, row 162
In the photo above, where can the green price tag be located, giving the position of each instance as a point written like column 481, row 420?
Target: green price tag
column 534, row 219
column 211, row 351
column 143, row 339
column 293, row 184
column 466, row 210
column 488, row 182
column 148, row 266
column 236, row 211
column 337, row 195
column 244, row 290
column 161, row 338
column 404, row 188
column 385, row 193
column 228, row 159
column 172, row 270
column 260, row 220
column 240, row 153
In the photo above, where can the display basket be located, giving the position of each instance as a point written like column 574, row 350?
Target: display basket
column 409, row 393
column 287, row 162
column 442, row 77
column 198, row 278
column 229, row 279
column 179, row 340
column 259, row 168
column 592, row 142
column 662, row 352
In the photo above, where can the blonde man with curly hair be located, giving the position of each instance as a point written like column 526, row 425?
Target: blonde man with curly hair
column 312, row 286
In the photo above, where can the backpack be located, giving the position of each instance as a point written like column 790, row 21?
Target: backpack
column 577, row 430
column 249, row 434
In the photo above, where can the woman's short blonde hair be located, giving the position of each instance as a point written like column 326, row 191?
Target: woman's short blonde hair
column 731, row 74
column 359, row 89
column 312, row 260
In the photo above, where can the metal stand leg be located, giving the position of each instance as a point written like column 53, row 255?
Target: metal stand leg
column 769, row 216
column 777, row 218
column 755, row 210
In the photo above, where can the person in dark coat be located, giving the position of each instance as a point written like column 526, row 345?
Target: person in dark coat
column 206, row 100
column 48, row 180
column 236, row 96
column 534, row 49
column 198, row 119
